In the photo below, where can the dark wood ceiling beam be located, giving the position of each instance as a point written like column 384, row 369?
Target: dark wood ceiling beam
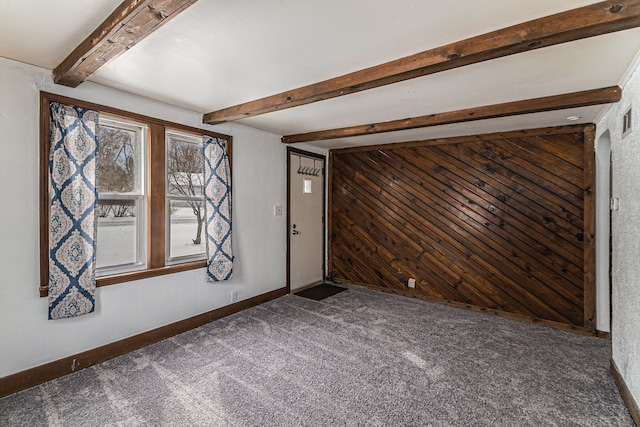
column 528, row 106
column 129, row 23
column 525, row 133
column 593, row 20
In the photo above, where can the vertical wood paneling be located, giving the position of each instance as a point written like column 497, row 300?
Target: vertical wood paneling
column 499, row 221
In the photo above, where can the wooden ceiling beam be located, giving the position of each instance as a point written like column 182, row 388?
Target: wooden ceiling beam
column 528, row 106
column 593, row 20
column 524, row 133
column 129, row 23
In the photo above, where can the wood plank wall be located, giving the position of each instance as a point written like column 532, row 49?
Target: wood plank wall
column 492, row 221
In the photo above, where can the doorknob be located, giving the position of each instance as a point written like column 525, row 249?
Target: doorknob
column 294, row 232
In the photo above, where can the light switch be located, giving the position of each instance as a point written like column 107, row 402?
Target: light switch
column 277, row 210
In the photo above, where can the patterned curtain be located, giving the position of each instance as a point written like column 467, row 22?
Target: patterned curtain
column 217, row 194
column 72, row 227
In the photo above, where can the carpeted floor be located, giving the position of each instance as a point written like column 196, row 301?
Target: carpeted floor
column 356, row 358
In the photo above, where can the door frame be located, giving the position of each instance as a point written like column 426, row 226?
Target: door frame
column 603, row 241
column 290, row 151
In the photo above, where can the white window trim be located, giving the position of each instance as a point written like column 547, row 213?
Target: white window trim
column 195, row 139
column 140, row 197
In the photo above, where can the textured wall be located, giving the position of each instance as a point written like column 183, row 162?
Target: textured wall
column 625, row 325
column 27, row 338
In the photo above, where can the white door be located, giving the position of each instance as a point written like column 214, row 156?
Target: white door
column 306, row 225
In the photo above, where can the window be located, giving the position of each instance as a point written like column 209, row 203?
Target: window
column 122, row 208
column 185, row 197
column 150, row 180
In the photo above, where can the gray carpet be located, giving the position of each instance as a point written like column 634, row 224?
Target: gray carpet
column 354, row 359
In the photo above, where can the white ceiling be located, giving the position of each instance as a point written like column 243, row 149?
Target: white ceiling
column 219, row 53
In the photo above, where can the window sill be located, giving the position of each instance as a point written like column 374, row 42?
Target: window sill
column 142, row 274
column 150, row 272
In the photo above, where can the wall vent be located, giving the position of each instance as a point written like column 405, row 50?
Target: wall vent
column 626, row 123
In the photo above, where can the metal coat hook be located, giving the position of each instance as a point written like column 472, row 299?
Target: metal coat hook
column 307, row 170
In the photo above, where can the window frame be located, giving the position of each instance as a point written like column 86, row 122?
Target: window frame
column 169, row 198
column 156, row 188
column 139, row 196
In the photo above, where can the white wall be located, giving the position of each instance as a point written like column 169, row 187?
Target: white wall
column 625, row 324
column 27, row 338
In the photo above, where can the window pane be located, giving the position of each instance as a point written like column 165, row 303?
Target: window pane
column 185, row 166
column 117, row 160
column 117, row 240
column 186, row 229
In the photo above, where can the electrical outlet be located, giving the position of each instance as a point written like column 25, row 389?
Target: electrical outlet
column 277, row 210
column 234, row 296
column 411, row 283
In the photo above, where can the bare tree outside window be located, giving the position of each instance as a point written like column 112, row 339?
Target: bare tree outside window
column 185, row 177
column 116, row 169
column 121, row 234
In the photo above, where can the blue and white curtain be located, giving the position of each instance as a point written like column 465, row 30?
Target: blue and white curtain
column 72, row 226
column 217, row 194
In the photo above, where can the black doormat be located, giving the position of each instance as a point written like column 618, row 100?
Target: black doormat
column 320, row 292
